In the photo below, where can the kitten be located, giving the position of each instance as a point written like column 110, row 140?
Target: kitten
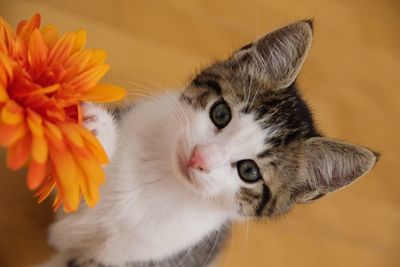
column 238, row 142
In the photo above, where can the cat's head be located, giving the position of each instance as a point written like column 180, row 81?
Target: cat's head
column 252, row 138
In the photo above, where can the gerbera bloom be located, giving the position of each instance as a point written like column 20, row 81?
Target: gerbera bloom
column 43, row 80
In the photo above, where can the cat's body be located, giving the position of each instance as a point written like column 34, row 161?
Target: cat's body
column 238, row 142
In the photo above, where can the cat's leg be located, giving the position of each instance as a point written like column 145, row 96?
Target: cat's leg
column 99, row 121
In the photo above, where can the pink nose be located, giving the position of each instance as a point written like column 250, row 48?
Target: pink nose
column 198, row 161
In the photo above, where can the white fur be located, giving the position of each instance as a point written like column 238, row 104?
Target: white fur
column 103, row 125
column 148, row 209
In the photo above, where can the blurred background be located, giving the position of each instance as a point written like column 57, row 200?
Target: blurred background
column 351, row 79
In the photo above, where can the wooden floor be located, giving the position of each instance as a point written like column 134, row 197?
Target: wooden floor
column 351, row 79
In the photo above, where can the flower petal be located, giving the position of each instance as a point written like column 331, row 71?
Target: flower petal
column 64, row 166
column 56, row 114
column 45, row 189
column 90, row 191
column 53, row 131
column 98, row 58
column 104, row 93
column 93, row 144
column 12, row 113
column 35, row 123
column 6, row 70
column 40, row 149
column 71, row 132
column 57, row 203
column 62, row 49
column 50, row 35
column 89, row 78
column 80, row 41
column 79, row 114
column 21, row 25
column 9, row 134
column 18, row 153
column 92, row 169
column 3, row 94
column 18, row 50
column 40, row 91
column 89, row 164
column 25, row 28
column 79, row 59
column 6, row 35
column 37, row 51
column 37, row 173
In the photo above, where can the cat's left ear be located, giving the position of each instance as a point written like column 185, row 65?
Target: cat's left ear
column 279, row 55
column 327, row 165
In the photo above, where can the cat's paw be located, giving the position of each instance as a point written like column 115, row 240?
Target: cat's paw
column 101, row 123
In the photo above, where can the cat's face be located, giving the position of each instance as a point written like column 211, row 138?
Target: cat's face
column 250, row 138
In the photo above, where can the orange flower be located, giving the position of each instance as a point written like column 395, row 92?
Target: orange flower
column 43, row 80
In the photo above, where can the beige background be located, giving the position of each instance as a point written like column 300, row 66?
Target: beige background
column 351, row 79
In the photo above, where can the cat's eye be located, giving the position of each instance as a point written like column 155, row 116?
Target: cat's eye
column 220, row 114
column 248, row 171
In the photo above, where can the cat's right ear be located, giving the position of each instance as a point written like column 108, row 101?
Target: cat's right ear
column 279, row 55
column 326, row 165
